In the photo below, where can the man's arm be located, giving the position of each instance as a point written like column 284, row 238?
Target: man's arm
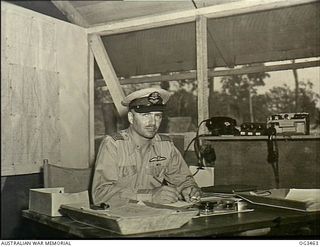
column 179, row 175
column 107, row 186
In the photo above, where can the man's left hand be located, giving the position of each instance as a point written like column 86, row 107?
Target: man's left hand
column 191, row 193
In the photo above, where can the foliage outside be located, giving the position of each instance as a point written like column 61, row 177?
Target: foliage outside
column 240, row 100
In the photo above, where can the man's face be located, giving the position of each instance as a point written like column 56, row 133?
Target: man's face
column 145, row 124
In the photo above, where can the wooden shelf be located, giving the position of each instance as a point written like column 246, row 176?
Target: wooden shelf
column 259, row 138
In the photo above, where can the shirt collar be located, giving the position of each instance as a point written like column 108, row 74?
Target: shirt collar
column 133, row 145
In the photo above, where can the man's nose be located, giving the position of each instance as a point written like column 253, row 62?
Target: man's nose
column 152, row 119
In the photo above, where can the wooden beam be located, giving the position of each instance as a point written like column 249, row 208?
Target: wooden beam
column 269, row 68
column 215, row 73
column 216, row 11
column 91, row 107
column 202, row 69
column 71, row 13
column 159, row 78
column 107, row 72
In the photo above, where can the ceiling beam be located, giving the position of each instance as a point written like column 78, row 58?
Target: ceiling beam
column 71, row 13
column 178, row 17
column 215, row 73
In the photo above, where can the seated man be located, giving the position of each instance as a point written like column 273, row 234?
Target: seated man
column 139, row 164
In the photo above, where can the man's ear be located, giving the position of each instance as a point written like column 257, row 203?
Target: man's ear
column 130, row 117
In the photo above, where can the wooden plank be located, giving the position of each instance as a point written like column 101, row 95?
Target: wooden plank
column 215, row 73
column 107, row 72
column 104, row 11
column 202, row 69
column 269, row 68
column 91, row 108
column 72, row 59
column 217, row 11
column 75, row 17
column 72, row 14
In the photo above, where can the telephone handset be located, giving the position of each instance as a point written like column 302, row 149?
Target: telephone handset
column 222, row 126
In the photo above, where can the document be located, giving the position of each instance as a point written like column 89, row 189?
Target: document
column 310, row 196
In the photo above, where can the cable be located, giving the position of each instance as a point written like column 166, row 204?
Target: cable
column 196, row 149
column 184, row 154
column 203, row 155
column 197, row 146
column 273, row 154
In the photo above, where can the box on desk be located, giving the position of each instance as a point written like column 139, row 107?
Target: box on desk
column 48, row 200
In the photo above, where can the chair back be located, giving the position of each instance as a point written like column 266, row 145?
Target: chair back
column 72, row 179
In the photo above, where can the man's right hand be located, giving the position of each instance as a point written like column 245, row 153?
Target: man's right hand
column 165, row 194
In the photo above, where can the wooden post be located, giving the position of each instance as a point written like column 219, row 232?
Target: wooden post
column 107, row 71
column 296, row 90
column 91, row 107
column 202, row 69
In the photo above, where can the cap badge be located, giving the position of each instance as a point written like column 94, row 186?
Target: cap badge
column 154, row 98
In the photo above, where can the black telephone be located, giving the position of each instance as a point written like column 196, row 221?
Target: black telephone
column 222, row 126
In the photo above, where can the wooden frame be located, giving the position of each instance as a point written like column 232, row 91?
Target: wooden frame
column 202, row 69
column 202, row 74
column 214, row 73
column 222, row 10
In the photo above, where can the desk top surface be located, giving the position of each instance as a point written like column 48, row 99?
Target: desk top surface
column 218, row 225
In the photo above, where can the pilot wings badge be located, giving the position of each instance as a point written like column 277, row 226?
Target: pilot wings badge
column 157, row 158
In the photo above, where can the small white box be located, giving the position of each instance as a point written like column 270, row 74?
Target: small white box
column 48, row 200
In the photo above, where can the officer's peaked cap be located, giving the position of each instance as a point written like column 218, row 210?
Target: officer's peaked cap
column 147, row 100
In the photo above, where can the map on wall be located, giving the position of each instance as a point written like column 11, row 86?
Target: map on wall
column 29, row 94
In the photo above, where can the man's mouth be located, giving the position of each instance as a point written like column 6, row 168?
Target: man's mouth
column 151, row 128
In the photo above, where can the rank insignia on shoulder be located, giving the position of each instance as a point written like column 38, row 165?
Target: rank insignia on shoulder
column 117, row 136
column 157, row 158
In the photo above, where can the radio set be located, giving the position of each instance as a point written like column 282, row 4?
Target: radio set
column 253, row 129
column 290, row 123
column 283, row 123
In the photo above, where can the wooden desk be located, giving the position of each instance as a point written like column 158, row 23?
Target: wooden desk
column 282, row 223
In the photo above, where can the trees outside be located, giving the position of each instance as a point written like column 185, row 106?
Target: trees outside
column 234, row 99
column 182, row 103
column 282, row 99
column 239, row 99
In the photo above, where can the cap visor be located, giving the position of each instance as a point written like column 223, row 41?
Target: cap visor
column 143, row 109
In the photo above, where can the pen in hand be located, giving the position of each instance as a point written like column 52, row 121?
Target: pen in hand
column 167, row 183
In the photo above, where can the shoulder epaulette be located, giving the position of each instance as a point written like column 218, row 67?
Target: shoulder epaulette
column 117, row 136
column 165, row 138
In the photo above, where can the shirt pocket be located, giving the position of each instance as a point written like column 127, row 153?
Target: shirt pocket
column 125, row 171
column 157, row 169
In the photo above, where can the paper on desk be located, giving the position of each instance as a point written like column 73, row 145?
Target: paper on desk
column 184, row 204
column 136, row 210
column 179, row 204
column 310, row 196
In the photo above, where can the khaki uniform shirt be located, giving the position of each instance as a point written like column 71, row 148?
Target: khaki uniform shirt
column 123, row 173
